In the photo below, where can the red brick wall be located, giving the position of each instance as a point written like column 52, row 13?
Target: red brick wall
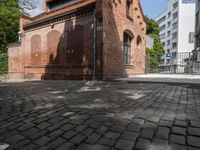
column 65, row 49
column 16, row 62
column 36, row 50
column 115, row 22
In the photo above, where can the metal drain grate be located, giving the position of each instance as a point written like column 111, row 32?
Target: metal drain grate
column 3, row 146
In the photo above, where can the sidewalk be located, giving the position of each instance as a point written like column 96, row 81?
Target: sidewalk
column 164, row 78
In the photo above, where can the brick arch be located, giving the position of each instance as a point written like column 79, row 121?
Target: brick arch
column 36, row 49
column 53, row 40
column 130, row 33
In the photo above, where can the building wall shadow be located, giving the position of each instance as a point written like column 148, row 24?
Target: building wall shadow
column 70, row 52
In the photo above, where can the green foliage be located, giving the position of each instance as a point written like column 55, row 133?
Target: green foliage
column 154, row 55
column 9, row 22
column 3, row 63
column 153, row 31
column 9, row 27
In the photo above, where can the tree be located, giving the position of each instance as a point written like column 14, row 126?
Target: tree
column 153, row 30
column 9, row 27
column 9, row 22
column 154, row 55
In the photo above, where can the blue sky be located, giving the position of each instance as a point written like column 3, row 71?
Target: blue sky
column 153, row 8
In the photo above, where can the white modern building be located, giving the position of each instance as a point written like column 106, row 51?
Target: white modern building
column 177, row 27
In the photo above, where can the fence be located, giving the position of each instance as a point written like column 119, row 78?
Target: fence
column 3, row 63
column 176, row 63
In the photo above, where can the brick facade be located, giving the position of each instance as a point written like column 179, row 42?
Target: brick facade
column 60, row 44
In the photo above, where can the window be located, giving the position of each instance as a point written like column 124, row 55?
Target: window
column 128, row 4
column 174, row 25
column 162, row 36
column 175, row 15
column 168, row 42
column 168, row 51
column 169, row 14
column 129, row 10
column 191, row 37
column 174, row 45
column 126, row 48
column 174, row 35
column 168, row 34
column 161, row 20
column 139, row 42
column 162, row 28
column 175, row 5
column 169, row 23
column 163, row 43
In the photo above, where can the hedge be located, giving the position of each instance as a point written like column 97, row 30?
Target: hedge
column 3, row 63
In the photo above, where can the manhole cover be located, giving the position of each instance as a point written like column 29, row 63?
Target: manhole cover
column 3, row 146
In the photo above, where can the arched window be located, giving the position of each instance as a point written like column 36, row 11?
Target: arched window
column 128, row 7
column 126, row 48
column 139, row 42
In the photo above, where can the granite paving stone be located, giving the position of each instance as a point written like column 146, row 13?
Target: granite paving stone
column 179, row 130
column 132, row 136
column 163, row 133
column 147, row 134
column 193, row 141
column 42, row 141
column 124, row 144
column 100, row 115
column 178, row 139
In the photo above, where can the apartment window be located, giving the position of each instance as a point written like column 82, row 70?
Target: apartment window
column 175, row 5
column 168, row 34
column 169, row 24
column 175, row 15
column 163, row 43
column 174, row 25
column 162, row 36
column 126, row 48
column 191, row 37
column 168, row 42
column 169, row 14
column 174, row 55
column 174, row 35
column 174, row 45
column 162, row 28
column 161, row 20
column 168, row 51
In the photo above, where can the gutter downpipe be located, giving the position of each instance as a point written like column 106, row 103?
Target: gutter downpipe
column 94, row 47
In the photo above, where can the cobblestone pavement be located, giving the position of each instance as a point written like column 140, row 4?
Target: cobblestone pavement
column 99, row 116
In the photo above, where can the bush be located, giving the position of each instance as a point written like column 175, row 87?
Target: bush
column 3, row 63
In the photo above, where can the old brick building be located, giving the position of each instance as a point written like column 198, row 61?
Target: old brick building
column 76, row 39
